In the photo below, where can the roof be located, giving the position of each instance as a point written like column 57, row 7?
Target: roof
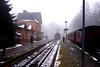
column 29, row 27
column 18, row 33
column 20, row 25
column 26, row 16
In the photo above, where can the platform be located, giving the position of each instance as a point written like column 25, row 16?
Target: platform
column 26, row 46
column 71, row 56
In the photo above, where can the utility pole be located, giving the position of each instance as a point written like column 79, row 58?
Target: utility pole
column 83, row 34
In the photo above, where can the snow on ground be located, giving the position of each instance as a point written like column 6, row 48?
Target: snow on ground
column 95, row 59
column 35, row 41
column 58, row 62
column 17, row 45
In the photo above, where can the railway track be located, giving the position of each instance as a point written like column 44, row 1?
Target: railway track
column 35, row 58
column 94, row 55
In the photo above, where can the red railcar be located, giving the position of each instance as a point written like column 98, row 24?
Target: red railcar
column 71, row 36
column 92, row 37
column 78, row 36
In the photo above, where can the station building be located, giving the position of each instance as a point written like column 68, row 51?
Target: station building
column 28, row 24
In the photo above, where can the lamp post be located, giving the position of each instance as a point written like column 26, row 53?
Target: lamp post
column 65, row 31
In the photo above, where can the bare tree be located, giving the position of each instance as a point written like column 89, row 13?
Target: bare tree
column 88, row 14
column 96, row 12
column 77, row 20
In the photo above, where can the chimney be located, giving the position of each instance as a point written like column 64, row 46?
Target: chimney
column 24, row 11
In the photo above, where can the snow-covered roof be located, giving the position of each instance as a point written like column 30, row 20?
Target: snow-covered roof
column 21, row 26
column 27, row 20
column 29, row 27
column 18, row 33
column 36, row 20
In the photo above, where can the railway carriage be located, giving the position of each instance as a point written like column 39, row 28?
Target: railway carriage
column 71, row 36
column 92, row 37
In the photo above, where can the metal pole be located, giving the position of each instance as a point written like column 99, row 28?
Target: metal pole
column 83, row 34
column 66, row 30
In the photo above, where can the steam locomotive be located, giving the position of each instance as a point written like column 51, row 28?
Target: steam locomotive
column 57, row 36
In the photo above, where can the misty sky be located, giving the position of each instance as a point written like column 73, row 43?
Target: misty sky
column 53, row 11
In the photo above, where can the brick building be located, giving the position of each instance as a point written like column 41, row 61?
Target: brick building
column 32, row 25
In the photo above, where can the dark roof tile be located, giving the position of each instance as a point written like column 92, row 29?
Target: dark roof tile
column 29, row 16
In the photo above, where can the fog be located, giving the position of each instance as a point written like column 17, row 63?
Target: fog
column 92, row 16
column 55, row 13
column 52, row 28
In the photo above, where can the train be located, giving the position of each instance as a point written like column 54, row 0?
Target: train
column 92, row 38
column 57, row 36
